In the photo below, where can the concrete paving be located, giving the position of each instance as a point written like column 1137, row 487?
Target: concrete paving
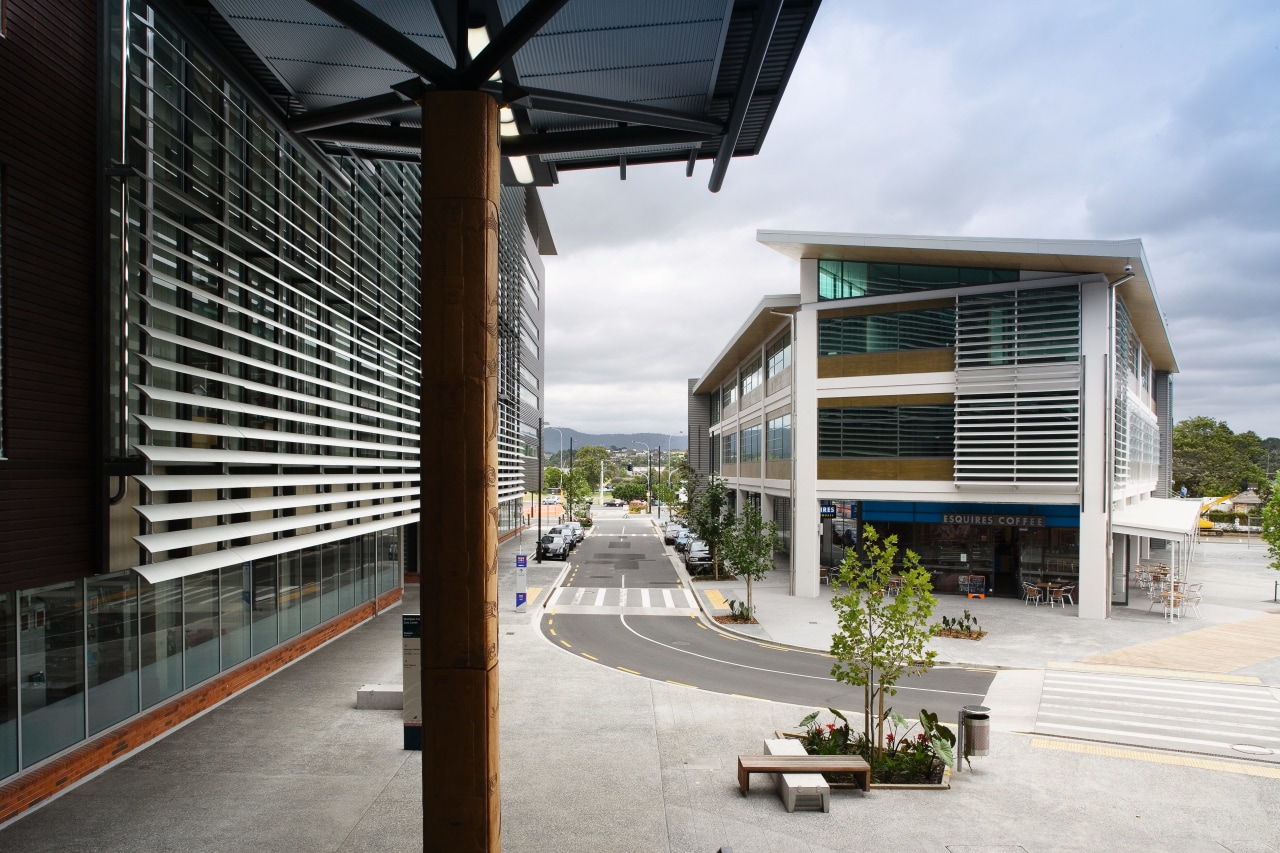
column 594, row 759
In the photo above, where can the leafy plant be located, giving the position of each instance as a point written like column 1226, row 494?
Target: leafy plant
column 1271, row 524
column 740, row 611
column 880, row 637
column 749, row 544
column 965, row 626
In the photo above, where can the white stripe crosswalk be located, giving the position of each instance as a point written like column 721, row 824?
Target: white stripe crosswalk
column 633, row 600
column 1235, row 720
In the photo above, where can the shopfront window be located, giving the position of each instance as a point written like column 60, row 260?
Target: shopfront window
column 112, row 656
column 8, row 685
column 200, row 599
column 51, row 643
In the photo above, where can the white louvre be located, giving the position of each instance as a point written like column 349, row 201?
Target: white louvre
column 184, row 566
column 156, row 513
column 194, row 482
column 189, row 455
column 270, row 435
column 183, row 398
column 1018, row 388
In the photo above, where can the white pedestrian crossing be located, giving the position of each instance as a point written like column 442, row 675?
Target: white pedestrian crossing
column 1236, row 720
column 633, row 600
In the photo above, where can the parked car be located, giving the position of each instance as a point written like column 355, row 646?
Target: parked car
column 683, row 540
column 566, row 532
column 579, row 532
column 552, row 547
column 671, row 533
column 697, row 557
column 615, row 502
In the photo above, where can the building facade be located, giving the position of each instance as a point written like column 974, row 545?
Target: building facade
column 211, row 376
column 1003, row 406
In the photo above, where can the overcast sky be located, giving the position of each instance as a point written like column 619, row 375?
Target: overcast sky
column 1069, row 120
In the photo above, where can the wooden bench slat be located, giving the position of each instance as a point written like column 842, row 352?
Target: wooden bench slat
column 748, row 764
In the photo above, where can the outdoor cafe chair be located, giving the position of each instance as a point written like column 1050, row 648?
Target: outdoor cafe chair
column 1063, row 594
column 1030, row 593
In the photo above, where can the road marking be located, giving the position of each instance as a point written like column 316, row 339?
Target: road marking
column 703, row 627
column 577, row 599
column 555, row 596
column 531, row 594
column 775, row 648
column 688, row 596
column 745, row 696
column 600, row 597
column 682, row 684
column 1160, row 758
column 632, row 671
column 666, row 596
column 644, row 598
column 585, row 655
column 553, row 631
column 566, row 645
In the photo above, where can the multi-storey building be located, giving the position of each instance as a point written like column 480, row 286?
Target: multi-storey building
column 1003, row 406
column 211, row 459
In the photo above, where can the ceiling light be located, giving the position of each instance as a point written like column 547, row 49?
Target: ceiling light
column 477, row 40
column 520, row 166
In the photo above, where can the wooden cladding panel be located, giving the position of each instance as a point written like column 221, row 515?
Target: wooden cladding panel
column 887, row 363
column 885, row 469
column 887, row 400
column 48, row 74
column 777, row 469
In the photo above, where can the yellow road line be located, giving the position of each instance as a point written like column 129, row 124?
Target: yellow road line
column 717, row 600
column 566, row 645
column 703, row 627
column 632, row 671
column 585, row 655
column 553, row 631
column 682, row 684
column 775, row 648
column 745, row 696
column 727, row 636
column 1241, row 768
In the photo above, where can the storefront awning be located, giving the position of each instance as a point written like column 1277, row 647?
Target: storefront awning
column 1161, row 518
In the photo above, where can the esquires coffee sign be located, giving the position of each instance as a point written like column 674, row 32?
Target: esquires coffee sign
column 995, row 520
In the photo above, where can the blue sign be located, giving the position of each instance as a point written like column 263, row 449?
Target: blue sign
column 827, row 510
column 522, row 561
column 520, row 596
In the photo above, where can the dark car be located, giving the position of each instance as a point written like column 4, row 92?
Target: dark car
column 615, row 502
column 671, row 533
column 697, row 557
column 565, row 532
column 553, row 548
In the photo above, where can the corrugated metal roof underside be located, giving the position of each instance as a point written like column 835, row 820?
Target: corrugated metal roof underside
column 681, row 55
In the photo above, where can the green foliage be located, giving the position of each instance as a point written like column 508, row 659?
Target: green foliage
column 575, row 491
column 906, row 758
column 748, row 545
column 710, row 519
column 880, row 638
column 1211, row 460
column 664, row 493
column 587, row 460
column 831, row 738
column 964, row 626
column 1271, row 524
column 628, row 490
column 551, row 477
column 740, row 611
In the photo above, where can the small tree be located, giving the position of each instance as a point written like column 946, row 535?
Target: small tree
column 551, row 477
column 709, row 518
column 748, row 548
column 575, row 490
column 880, row 637
column 1271, row 523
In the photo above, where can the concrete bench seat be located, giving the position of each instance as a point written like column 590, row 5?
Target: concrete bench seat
column 804, row 765
column 798, row 788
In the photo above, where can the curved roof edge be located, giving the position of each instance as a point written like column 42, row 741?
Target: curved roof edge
column 1108, row 257
column 760, row 326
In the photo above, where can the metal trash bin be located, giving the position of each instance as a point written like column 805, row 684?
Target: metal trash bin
column 977, row 734
column 974, row 733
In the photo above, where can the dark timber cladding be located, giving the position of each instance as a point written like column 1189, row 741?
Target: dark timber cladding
column 48, row 62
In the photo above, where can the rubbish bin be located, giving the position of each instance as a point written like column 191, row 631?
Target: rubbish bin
column 977, row 734
column 974, row 735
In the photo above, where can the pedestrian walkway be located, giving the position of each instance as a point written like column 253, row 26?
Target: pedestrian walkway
column 1218, row 719
column 640, row 601
column 1221, row 648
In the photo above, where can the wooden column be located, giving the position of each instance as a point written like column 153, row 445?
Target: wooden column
column 459, row 528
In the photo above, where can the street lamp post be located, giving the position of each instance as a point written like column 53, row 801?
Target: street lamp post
column 537, row 549
column 557, row 429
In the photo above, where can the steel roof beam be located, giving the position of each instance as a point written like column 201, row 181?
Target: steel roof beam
column 602, row 108
column 525, row 25
column 387, row 38
column 375, row 107
column 367, row 136
column 452, row 15
column 766, row 22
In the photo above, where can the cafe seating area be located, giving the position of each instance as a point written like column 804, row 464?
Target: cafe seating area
column 1170, row 589
column 1053, row 593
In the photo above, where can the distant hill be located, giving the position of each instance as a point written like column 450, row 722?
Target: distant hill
column 622, row 441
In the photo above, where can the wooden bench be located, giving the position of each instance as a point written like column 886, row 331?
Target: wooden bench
column 748, row 764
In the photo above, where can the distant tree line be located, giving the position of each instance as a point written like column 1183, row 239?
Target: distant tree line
column 1210, row 460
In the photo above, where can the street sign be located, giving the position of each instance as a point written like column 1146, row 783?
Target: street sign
column 522, row 561
column 522, row 572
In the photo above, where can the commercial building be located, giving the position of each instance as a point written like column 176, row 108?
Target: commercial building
column 271, row 312
column 215, row 452
column 1003, row 406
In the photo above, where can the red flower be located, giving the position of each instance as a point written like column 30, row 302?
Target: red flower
column 831, row 727
column 920, row 737
column 889, row 737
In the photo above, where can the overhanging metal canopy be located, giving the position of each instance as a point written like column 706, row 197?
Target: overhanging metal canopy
column 591, row 83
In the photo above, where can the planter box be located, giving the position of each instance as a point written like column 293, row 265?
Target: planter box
column 944, row 785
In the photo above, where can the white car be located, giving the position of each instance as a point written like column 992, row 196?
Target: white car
column 579, row 532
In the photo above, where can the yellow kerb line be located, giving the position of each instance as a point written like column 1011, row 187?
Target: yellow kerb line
column 585, row 655
column 632, row 671
column 682, row 684
column 566, row 645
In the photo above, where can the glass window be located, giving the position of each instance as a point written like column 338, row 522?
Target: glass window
column 778, row 358
column 778, row 437
column 887, row 432
column 729, row 394
column 51, row 640
column 234, row 607
column 751, row 444
column 730, row 448
column 715, row 408
column 8, row 686
column 750, row 381
column 290, row 595
column 851, row 279
column 200, row 605
column 161, row 636
column 265, row 632
column 111, row 661
column 329, row 584
column 349, row 568
column 907, row 330
column 310, row 583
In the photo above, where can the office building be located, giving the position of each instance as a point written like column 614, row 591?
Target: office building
column 1003, row 406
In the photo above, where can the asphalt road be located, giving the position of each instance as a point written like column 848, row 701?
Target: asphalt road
column 625, row 554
